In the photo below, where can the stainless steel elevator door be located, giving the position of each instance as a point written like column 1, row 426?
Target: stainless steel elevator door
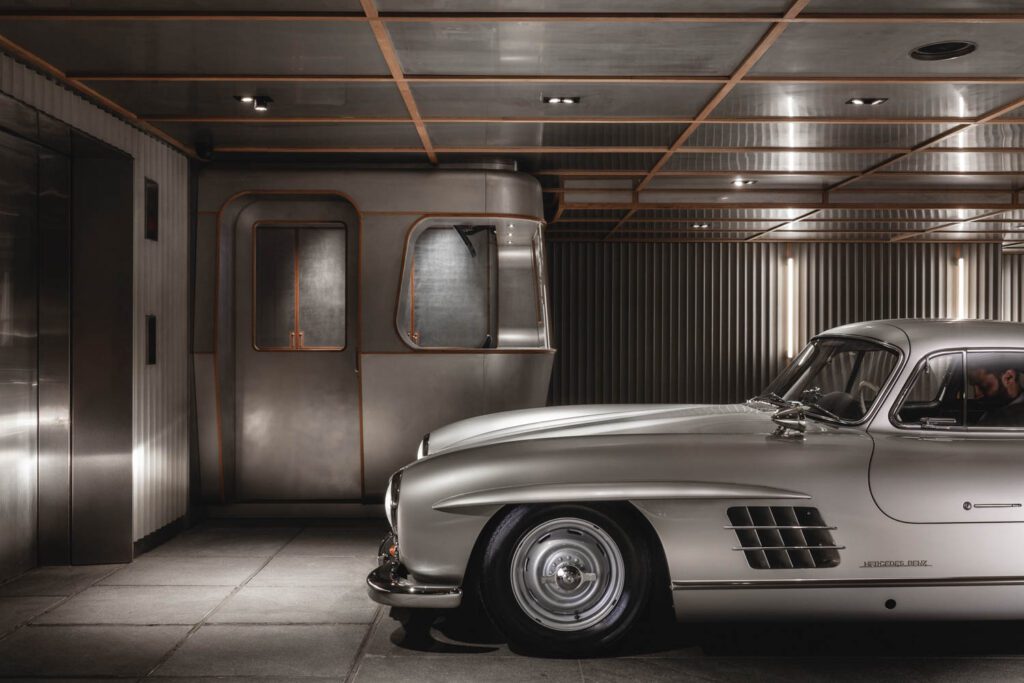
column 297, row 392
column 18, row 363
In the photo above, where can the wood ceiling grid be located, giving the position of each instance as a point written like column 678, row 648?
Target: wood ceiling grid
column 378, row 21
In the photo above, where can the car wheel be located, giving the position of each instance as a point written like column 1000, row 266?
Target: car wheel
column 565, row 579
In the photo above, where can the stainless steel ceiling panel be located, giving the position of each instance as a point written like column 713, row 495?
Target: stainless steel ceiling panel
column 935, row 182
column 577, row 48
column 200, row 99
column 553, row 134
column 905, row 100
column 590, row 6
column 532, row 163
column 962, row 162
column 291, row 6
column 764, row 182
column 313, row 136
column 899, row 214
column 913, row 6
column 694, row 226
column 812, row 135
column 596, row 99
column 991, row 135
column 773, row 161
column 733, row 213
column 195, row 47
column 883, row 50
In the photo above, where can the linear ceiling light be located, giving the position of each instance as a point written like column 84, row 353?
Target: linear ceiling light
column 560, row 100
column 790, row 307
column 961, row 289
column 743, row 182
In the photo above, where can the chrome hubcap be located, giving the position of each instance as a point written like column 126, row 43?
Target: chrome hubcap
column 567, row 574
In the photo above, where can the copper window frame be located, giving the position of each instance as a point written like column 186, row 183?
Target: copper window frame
column 408, row 255
column 296, row 334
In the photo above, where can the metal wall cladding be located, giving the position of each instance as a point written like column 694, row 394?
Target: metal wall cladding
column 160, row 441
column 1013, row 287
column 707, row 323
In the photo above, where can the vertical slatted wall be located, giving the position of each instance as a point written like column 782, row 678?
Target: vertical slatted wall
column 695, row 323
column 1013, row 287
column 161, row 288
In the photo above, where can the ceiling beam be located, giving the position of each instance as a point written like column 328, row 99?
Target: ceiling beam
column 387, row 50
column 576, row 120
column 501, row 17
column 536, row 78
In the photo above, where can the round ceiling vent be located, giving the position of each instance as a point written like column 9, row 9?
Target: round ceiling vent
column 947, row 49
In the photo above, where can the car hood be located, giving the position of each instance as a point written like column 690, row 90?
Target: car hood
column 603, row 420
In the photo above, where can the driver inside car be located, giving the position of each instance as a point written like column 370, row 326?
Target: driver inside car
column 1000, row 388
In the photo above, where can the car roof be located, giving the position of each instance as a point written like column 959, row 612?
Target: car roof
column 927, row 336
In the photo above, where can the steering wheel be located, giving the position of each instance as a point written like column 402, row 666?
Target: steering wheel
column 859, row 393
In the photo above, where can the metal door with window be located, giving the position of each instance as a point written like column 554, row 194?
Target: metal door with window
column 955, row 455
column 297, row 390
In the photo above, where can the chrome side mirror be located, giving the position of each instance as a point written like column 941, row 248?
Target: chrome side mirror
column 792, row 421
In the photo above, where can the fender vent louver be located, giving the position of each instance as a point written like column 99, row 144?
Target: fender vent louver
column 784, row 537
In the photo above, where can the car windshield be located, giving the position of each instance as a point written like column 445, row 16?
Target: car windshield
column 834, row 378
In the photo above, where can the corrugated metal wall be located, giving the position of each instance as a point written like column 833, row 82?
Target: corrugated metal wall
column 695, row 323
column 1013, row 287
column 161, row 289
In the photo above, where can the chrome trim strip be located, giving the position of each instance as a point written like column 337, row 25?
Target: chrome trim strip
column 848, row 583
column 794, row 547
column 640, row 490
column 782, row 526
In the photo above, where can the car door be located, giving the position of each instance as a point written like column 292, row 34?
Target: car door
column 952, row 453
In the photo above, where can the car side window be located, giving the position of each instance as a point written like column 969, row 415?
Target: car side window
column 935, row 398
column 995, row 389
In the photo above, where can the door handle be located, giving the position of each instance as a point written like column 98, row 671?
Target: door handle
column 985, row 506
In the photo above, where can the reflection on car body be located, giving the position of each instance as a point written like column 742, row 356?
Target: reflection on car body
column 875, row 475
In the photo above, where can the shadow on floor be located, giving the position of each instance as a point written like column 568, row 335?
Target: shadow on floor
column 761, row 639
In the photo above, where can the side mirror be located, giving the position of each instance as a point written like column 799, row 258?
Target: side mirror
column 791, row 421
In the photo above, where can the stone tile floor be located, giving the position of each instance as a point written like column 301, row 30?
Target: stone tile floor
column 286, row 601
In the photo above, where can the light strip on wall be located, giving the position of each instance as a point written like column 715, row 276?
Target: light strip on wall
column 790, row 307
column 961, row 289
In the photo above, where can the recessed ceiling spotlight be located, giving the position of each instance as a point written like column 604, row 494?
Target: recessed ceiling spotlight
column 742, row 182
column 560, row 100
column 700, row 226
column 262, row 102
column 947, row 49
column 867, row 101
column 244, row 99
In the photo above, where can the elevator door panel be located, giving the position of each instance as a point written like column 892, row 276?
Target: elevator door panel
column 297, row 393
column 18, row 330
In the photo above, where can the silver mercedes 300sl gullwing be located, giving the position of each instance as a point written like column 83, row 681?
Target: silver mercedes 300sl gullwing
column 880, row 476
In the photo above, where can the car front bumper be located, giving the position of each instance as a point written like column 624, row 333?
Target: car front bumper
column 389, row 584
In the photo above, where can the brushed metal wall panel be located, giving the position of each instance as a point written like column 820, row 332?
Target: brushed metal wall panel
column 18, row 374
column 101, row 341
column 160, row 440
column 695, row 323
column 54, row 254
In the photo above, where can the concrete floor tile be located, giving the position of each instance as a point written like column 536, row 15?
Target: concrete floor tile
column 216, row 650
column 16, row 611
column 56, row 580
column 86, row 650
column 467, row 670
column 297, row 605
column 314, row 571
column 185, row 571
column 138, row 605
column 336, row 542
column 226, row 542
